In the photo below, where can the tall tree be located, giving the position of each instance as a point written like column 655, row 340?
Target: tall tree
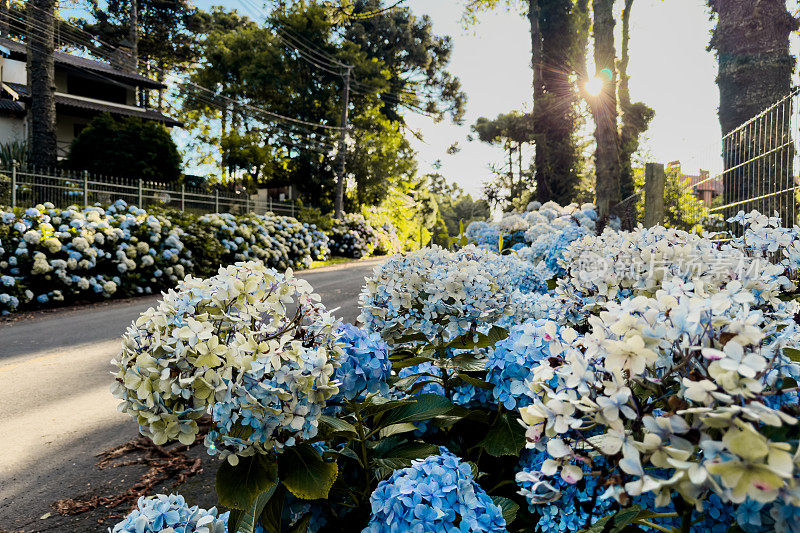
column 41, row 80
column 168, row 32
column 251, row 65
column 751, row 40
column 513, row 131
column 414, row 56
column 635, row 117
column 558, row 39
column 604, row 109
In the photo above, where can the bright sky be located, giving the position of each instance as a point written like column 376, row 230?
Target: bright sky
column 670, row 71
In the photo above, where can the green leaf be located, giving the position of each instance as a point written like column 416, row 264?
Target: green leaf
column 505, row 437
column 617, row 522
column 374, row 405
column 551, row 284
column 305, row 474
column 238, row 487
column 406, row 450
column 792, row 353
column 508, row 507
column 467, row 362
column 338, row 426
column 422, row 407
column 411, row 361
column 272, row 515
column 495, row 335
column 475, row 382
column 412, row 338
column 350, row 454
column 245, row 521
column 396, row 429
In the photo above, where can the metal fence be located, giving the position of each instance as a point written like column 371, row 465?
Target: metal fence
column 752, row 168
column 25, row 188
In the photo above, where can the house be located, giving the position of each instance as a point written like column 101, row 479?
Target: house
column 85, row 88
column 704, row 187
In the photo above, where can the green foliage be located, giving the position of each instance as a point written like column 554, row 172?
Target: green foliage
column 239, row 486
column 13, row 151
column 168, row 31
column 682, row 209
column 505, row 437
column 126, row 148
column 305, row 474
column 249, row 63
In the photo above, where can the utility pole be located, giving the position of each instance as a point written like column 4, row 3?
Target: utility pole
column 41, row 16
column 339, row 203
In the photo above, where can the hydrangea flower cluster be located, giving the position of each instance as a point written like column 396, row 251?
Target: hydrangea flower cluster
column 677, row 392
column 617, row 265
column 435, row 292
column 231, row 347
column 365, row 366
column 547, row 229
column 277, row 241
column 353, row 236
column 511, row 362
column 50, row 255
column 171, row 514
column 57, row 255
column 434, row 494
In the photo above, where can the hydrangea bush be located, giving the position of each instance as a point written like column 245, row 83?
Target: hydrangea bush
column 51, row 256
column 629, row 381
column 353, row 236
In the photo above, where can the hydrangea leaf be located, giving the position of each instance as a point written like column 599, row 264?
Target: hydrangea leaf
column 244, row 521
column 305, row 474
column 337, row 425
column 374, row 405
column 508, row 507
column 505, row 437
column 272, row 513
column 479, row 340
column 238, row 487
column 423, row 407
column 395, row 429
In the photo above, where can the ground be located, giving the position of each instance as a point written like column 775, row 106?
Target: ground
column 57, row 414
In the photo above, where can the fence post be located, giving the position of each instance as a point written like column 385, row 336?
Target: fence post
column 85, row 188
column 246, row 202
column 14, row 165
column 183, row 197
column 270, row 202
column 141, row 184
column 216, row 200
column 654, row 180
column 292, row 209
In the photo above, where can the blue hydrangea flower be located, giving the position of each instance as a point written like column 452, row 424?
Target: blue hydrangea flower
column 511, row 362
column 161, row 512
column 434, row 494
column 365, row 365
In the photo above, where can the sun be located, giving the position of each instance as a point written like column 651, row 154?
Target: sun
column 594, row 86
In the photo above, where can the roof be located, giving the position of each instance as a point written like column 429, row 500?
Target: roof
column 704, row 183
column 63, row 59
column 10, row 107
column 82, row 104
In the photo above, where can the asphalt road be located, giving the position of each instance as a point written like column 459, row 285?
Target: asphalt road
column 56, row 411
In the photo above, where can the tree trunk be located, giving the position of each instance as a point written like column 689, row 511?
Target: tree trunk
column 41, row 81
column 604, row 110
column 755, row 69
column 540, row 160
column 635, row 117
